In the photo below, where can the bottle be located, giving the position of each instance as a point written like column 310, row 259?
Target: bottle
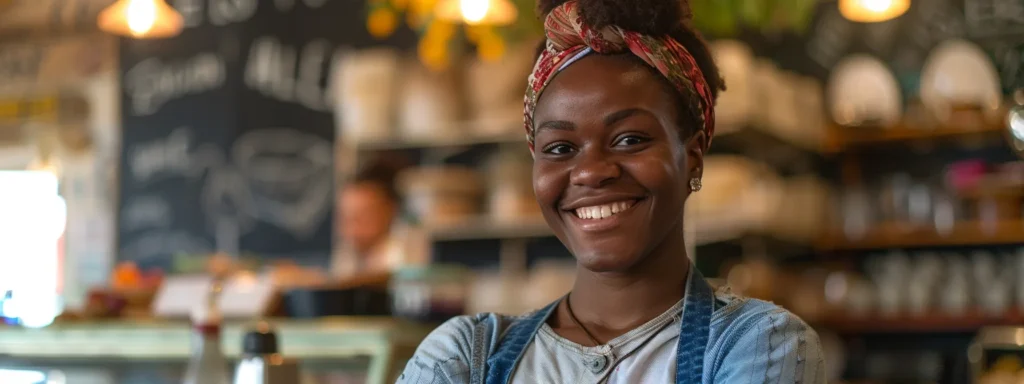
column 261, row 361
column 207, row 364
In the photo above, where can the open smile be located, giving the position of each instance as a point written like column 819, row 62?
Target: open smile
column 602, row 217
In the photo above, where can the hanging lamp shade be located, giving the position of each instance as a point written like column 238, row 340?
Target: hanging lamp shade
column 872, row 11
column 141, row 19
column 477, row 12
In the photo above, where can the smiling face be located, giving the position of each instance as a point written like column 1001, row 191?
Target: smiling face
column 612, row 169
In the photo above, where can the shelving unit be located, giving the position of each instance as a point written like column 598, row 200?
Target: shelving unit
column 930, row 323
column 842, row 139
column 900, row 235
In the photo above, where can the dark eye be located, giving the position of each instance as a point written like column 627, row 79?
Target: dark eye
column 558, row 149
column 629, row 140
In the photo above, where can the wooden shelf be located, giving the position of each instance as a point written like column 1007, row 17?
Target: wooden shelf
column 933, row 323
column 845, row 138
column 761, row 144
column 485, row 228
column 894, row 235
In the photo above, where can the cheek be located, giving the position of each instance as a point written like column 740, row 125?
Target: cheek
column 549, row 182
column 663, row 174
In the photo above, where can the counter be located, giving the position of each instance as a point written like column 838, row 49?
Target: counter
column 386, row 341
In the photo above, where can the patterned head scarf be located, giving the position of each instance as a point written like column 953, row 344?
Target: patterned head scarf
column 570, row 39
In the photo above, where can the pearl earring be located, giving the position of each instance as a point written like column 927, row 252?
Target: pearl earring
column 695, row 184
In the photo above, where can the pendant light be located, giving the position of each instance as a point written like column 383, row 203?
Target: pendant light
column 477, row 12
column 141, row 19
column 873, row 11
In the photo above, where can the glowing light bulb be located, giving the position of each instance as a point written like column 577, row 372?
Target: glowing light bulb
column 877, row 5
column 141, row 16
column 873, row 11
column 474, row 11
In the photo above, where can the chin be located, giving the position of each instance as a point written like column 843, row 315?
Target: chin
column 607, row 260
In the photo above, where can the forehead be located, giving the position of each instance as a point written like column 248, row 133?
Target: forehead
column 600, row 84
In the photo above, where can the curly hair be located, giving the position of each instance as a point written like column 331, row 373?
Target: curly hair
column 650, row 17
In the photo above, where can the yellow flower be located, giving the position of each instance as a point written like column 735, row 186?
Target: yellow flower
column 382, row 22
column 474, row 32
column 440, row 30
column 433, row 53
column 421, row 8
column 491, row 47
column 400, row 4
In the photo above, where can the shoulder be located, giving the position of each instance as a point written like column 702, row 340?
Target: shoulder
column 758, row 341
column 445, row 354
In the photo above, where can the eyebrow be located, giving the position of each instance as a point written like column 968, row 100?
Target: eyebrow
column 559, row 125
column 622, row 115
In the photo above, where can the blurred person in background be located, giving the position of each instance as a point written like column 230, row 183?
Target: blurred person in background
column 374, row 237
column 619, row 115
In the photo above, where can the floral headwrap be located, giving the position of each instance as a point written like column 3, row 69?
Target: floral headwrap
column 569, row 39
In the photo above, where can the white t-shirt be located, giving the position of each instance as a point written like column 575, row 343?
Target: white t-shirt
column 646, row 354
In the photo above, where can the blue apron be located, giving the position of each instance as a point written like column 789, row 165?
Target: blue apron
column 694, row 332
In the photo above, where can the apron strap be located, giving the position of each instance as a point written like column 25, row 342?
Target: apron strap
column 510, row 349
column 695, row 329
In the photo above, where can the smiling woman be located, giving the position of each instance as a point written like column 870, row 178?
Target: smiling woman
column 619, row 113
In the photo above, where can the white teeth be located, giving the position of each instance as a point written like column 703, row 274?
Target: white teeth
column 603, row 211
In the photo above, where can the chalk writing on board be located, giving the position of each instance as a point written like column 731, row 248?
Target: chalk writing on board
column 167, row 156
column 172, row 156
column 288, row 174
column 146, row 212
column 292, row 75
column 987, row 18
column 223, row 12
column 191, row 12
column 152, row 82
column 830, row 38
column 935, row 21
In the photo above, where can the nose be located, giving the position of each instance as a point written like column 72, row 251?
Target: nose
column 594, row 168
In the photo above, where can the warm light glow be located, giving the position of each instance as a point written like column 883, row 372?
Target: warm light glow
column 141, row 19
column 873, row 11
column 877, row 5
column 477, row 12
column 141, row 16
column 473, row 11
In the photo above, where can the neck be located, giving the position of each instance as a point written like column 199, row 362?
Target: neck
column 609, row 304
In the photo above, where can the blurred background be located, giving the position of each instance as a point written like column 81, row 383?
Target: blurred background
column 354, row 172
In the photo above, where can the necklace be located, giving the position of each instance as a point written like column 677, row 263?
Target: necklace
column 572, row 316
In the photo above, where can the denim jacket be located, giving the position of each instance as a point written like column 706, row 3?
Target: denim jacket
column 723, row 339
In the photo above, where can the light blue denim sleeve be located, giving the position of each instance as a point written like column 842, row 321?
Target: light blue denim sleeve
column 443, row 357
column 773, row 347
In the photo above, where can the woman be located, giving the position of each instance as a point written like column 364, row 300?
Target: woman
column 619, row 114
column 373, row 238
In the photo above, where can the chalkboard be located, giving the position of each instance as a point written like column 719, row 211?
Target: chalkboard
column 229, row 130
column 176, row 116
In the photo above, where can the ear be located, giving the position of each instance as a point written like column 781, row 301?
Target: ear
column 695, row 155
